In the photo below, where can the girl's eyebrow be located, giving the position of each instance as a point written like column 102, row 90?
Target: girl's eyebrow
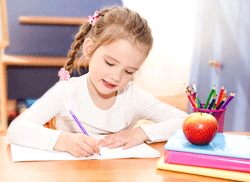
column 110, row 57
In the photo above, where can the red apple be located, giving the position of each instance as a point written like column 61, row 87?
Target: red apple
column 200, row 128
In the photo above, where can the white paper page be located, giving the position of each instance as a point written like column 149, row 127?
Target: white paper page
column 21, row 153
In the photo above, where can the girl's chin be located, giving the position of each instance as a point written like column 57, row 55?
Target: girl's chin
column 107, row 94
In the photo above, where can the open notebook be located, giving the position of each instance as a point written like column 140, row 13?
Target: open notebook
column 21, row 153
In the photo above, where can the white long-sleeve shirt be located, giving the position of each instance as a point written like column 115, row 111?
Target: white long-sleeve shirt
column 131, row 105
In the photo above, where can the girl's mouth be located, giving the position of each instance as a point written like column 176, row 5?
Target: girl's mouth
column 108, row 85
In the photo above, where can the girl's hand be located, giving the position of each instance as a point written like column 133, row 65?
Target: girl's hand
column 127, row 139
column 78, row 144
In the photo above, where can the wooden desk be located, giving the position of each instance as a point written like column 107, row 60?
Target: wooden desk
column 91, row 170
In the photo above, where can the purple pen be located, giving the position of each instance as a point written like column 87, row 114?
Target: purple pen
column 76, row 119
column 78, row 122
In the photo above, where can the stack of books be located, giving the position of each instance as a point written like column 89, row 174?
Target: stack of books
column 226, row 156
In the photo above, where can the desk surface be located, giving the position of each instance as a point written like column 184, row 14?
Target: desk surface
column 91, row 170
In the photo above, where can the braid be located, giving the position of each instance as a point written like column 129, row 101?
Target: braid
column 112, row 24
column 76, row 45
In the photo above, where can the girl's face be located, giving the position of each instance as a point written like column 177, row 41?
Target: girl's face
column 113, row 66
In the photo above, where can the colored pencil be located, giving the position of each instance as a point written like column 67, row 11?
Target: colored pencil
column 228, row 100
column 230, row 95
column 78, row 122
column 215, row 95
column 212, row 103
column 209, row 97
column 224, row 94
column 187, row 88
column 76, row 119
column 190, row 99
column 221, row 103
column 194, row 86
column 193, row 95
column 220, row 96
column 198, row 101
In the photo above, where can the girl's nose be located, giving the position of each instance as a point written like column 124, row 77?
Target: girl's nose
column 116, row 76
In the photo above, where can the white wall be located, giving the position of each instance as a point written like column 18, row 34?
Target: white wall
column 168, row 65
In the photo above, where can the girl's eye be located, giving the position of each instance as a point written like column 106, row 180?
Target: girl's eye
column 128, row 72
column 109, row 63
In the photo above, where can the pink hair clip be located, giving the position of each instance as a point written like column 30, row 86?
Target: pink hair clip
column 92, row 18
column 63, row 74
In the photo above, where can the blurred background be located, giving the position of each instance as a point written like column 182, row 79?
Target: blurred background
column 205, row 41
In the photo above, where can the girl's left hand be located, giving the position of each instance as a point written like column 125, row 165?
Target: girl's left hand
column 127, row 139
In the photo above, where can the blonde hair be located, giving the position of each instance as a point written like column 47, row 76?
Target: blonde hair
column 112, row 24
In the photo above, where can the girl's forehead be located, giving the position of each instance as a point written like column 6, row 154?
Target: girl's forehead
column 123, row 46
column 124, row 50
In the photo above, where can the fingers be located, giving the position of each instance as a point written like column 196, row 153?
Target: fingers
column 128, row 145
column 116, row 144
column 110, row 141
column 85, row 146
column 94, row 143
column 80, row 152
column 113, row 141
column 127, row 139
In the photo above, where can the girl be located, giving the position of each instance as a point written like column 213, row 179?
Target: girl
column 115, row 42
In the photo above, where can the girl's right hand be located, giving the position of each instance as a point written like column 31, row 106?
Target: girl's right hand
column 78, row 144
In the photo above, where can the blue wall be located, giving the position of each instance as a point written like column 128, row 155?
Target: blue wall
column 47, row 40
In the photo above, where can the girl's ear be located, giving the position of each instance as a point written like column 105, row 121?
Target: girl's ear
column 87, row 47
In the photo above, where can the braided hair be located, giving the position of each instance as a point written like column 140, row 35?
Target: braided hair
column 112, row 24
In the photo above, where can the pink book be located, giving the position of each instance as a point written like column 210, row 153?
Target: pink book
column 209, row 161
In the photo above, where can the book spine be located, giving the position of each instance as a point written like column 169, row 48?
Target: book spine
column 209, row 161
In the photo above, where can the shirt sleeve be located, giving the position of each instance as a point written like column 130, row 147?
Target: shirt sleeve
column 166, row 118
column 27, row 129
